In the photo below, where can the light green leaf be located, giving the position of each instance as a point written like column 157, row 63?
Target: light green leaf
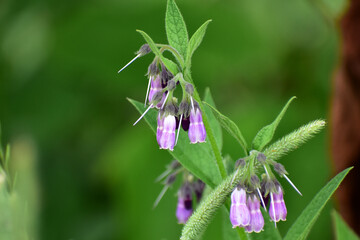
column 175, row 28
column 270, row 232
column 170, row 65
column 342, row 230
column 264, row 136
column 229, row 126
column 195, row 41
column 197, row 158
column 303, row 224
column 214, row 123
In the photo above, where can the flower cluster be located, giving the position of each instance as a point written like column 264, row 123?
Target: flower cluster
column 160, row 95
column 190, row 187
column 245, row 199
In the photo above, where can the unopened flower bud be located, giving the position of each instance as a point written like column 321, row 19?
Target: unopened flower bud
column 185, row 124
column 280, row 169
column 199, row 189
column 170, row 179
column 240, row 163
column 171, row 109
column 157, row 97
column 189, row 88
column 153, row 69
column 261, row 158
column 171, row 85
column 184, row 108
column 175, row 164
column 255, row 181
column 144, row 49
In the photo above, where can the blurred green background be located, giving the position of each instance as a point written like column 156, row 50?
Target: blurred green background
column 59, row 87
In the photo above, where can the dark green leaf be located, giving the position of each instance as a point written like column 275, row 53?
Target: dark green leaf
column 265, row 135
column 303, row 224
column 175, row 28
column 170, row 65
column 229, row 126
column 270, row 232
column 195, row 41
column 197, row 158
column 342, row 230
column 214, row 123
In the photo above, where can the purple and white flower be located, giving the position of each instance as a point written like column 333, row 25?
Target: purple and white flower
column 239, row 212
column 277, row 208
column 197, row 132
column 184, row 207
column 256, row 218
column 165, row 133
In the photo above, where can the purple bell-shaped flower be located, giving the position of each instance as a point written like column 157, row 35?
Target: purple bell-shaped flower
column 239, row 212
column 197, row 133
column 184, row 207
column 256, row 218
column 277, row 208
column 165, row 133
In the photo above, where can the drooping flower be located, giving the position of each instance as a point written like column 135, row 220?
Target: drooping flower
column 197, row 132
column 184, row 207
column 256, row 218
column 165, row 133
column 239, row 212
column 277, row 208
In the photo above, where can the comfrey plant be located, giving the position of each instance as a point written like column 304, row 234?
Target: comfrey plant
column 253, row 183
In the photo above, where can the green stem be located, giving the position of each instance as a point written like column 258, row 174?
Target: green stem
column 176, row 54
column 209, row 131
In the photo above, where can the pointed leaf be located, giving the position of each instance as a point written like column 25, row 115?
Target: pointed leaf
column 229, row 126
column 264, row 136
column 342, row 230
column 175, row 28
column 197, row 158
column 170, row 65
column 303, row 224
column 195, row 41
column 214, row 123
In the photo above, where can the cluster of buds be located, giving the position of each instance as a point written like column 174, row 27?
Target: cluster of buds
column 191, row 187
column 171, row 116
column 245, row 199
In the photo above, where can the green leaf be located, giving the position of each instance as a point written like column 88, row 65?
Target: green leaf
column 197, row 158
column 176, row 32
column 303, row 224
column 265, row 135
column 170, row 65
column 195, row 41
column 229, row 126
column 214, row 123
column 342, row 230
column 270, row 232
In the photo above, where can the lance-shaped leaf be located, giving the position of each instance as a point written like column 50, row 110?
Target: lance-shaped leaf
column 264, row 136
column 342, row 230
column 197, row 158
column 175, row 28
column 230, row 127
column 170, row 65
column 303, row 224
column 195, row 41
